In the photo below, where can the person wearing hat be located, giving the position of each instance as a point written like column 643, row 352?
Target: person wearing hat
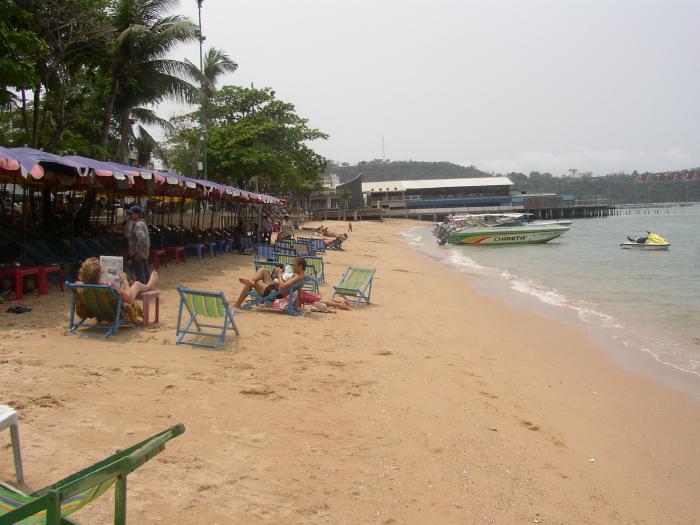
column 287, row 229
column 139, row 244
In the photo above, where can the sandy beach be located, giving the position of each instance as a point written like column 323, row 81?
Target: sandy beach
column 434, row 404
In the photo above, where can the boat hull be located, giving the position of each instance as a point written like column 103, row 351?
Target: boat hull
column 644, row 246
column 505, row 236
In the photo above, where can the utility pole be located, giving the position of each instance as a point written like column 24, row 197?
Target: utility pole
column 202, row 38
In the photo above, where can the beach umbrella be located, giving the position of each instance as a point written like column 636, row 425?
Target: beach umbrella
column 15, row 163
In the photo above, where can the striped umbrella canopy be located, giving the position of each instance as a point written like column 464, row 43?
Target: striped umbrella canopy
column 15, row 163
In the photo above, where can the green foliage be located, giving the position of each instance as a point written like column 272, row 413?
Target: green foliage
column 18, row 47
column 251, row 135
column 379, row 170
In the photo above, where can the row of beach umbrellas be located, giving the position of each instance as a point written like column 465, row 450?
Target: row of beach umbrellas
column 34, row 167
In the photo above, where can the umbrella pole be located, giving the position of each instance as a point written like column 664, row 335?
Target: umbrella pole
column 24, row 227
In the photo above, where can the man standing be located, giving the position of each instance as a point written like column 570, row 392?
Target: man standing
column 266, row 228
column 287, row 230
column 139, row 245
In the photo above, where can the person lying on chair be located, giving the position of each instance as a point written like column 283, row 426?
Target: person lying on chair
column 331, row 240
column 265, row 284
column 90, row 272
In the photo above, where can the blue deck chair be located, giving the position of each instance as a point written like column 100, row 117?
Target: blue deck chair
column 356, row 284
column 102, row 302
column 200, row 303
column 336, row 244
column 316, row 244
column 283, row 247
column 294, row 306
column 312, row 261
column 264, row 252
column 309, row 244
column 246, row 243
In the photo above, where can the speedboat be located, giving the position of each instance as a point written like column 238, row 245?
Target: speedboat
column 651, row 241
column 496, row 229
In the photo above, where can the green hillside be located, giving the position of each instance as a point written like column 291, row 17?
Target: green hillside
column 378, row 170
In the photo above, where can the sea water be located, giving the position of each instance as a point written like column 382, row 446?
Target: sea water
column 644, row 306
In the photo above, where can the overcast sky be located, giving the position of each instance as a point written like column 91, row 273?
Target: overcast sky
column 505, row 85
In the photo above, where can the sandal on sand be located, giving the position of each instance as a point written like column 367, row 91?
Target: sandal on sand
column 18, row 310
column 320, row 307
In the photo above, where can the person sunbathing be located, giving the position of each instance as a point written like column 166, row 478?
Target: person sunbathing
column 331, row 240
column 91, row 271
column 265, row 284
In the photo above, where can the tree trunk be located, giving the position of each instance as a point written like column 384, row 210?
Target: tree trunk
column 25, row 117
column 107, row 120
column 124, row 132
column 196, row 156
column 37, row 108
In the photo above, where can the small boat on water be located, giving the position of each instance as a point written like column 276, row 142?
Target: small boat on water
column 651, row 241
column 496, row 229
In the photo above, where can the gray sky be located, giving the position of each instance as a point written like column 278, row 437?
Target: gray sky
column 506, row 85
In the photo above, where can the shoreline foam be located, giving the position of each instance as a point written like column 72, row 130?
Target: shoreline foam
column 602, row 328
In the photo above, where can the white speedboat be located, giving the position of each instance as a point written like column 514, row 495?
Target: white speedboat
column 652, row 241
column 496, row 229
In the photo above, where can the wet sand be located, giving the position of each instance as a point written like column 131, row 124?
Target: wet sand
column 435, row 404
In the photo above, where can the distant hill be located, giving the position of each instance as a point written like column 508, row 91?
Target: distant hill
column 378, row 170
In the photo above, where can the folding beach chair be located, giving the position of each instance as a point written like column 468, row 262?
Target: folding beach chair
column 336, row 244
column 212, row 305
column 264, row 252
column 314, row 268
column 102, row 302
column 294, row 306
column 355, row 284
column 51, row 505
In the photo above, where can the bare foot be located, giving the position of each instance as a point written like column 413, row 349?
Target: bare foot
column 245, row 281
column 153, row 280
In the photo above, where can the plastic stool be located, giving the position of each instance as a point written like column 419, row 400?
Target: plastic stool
column 198, row 248
column 158, row 257
column 9, row 418
column 177, row 252
column 212, row 248
column 147, row 297
column 44, row 271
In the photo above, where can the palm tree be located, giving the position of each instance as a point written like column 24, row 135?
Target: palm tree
column 215, row 64
column 141, row 74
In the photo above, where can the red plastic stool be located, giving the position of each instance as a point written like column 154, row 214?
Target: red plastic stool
column 156, row 258
column 44, row 271
column 18, row 273
column 176, row 252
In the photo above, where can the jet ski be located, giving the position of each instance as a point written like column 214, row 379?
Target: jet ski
column 651, row 241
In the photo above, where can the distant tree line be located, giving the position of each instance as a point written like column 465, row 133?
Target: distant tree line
column 619, row 188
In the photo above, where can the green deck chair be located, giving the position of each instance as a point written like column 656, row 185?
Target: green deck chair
column 356, row 284
column 51, row 505
column 104, row 304
column 312, row 268
column 212, row 305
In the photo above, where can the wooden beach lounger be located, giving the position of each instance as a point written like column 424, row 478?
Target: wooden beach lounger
column 212, row 305
column 51, row 505
column 356, row 284
column 102, row 302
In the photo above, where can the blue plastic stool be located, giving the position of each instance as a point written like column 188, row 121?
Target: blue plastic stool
column 212, row 248
column 197, row 248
